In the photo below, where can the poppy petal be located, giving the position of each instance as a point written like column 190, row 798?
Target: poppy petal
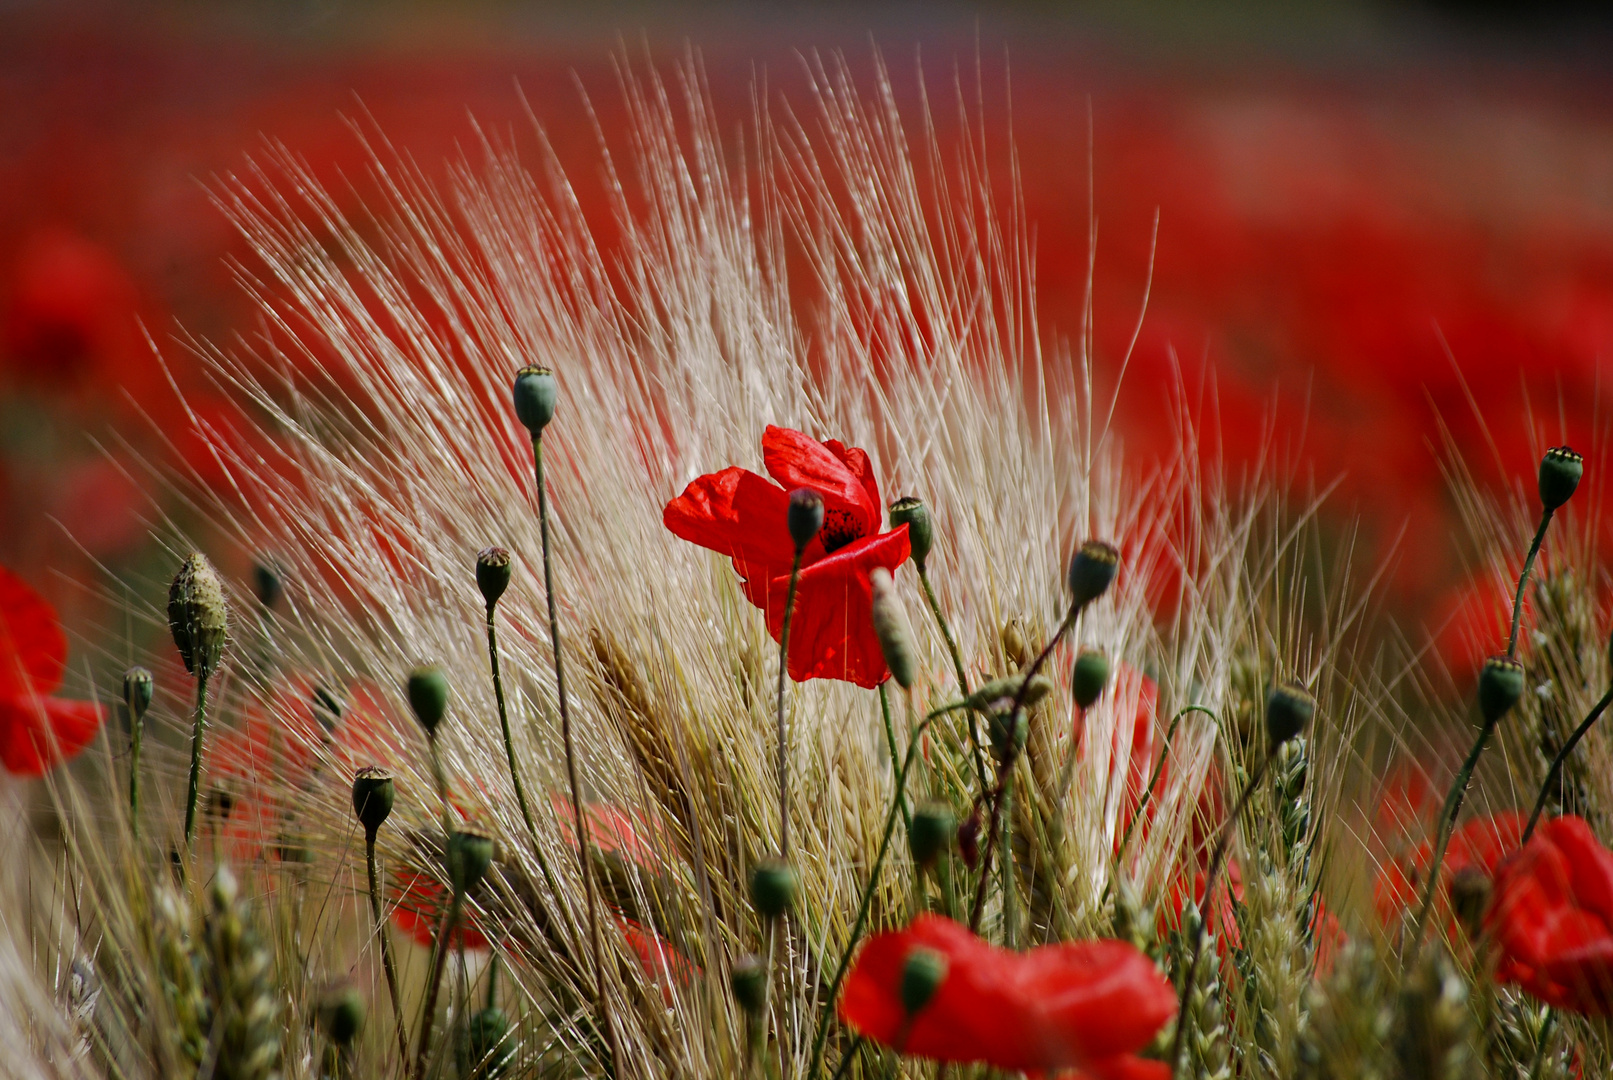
column 844, row 478
column 738, row 514
column 33, row 649
column 39, row 733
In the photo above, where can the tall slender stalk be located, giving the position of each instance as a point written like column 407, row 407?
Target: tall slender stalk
column 439, row 962
column 783, row 743
column 198, row 729
column 1523, row 580
column 387, row 964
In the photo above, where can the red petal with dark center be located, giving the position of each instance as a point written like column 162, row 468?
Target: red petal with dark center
column 843, row 477
column 33, row 649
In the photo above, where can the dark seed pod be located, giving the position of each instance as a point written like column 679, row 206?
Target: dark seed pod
column 1089, row 678
column 470, row 853
column 773, row 887
column 748, row 981
column 327, row 709
column 1500, row 687
column 1289, row 709
column 492, row 573
column 197, row 616
column 373, row 796
column 137, row 691
column 1092, row 571
column 536, row 393
column 1560, row 471
column 428, row 696
column 890, row 627
column 805, row 516
column 922, row 975
column 920, row 534
column 934, row 825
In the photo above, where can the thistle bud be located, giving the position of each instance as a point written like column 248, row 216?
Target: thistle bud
column 772, row 888
column 748, row 981
column 470, row 853
column 137, row 690
column 1003, row 691
column 266, row 576
column 920, row 534
column 1289, row 708
column 340, row 1013
column 1470, row 896
column 805, row 516
column 1500, row 687
column 1560, row 471
column 1090, row 677
column 934, row 825
column 535, row 394
column 969, row 839
column 428, row 696
column 922, row 975
column 492, row 573
column 197, row 617
column 373, row 795
column 890, row 627
column 1092, row 571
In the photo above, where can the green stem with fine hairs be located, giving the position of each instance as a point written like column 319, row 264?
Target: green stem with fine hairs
column 386, row 946
column 137, row 724
column 1447, row 822
column 1010, row 885
column 601, row 1005
column 1153, row 779
column 1558, row 761
column 1523, row 579
column 198, row 729
column 783, row 745
column 439, row 961
column 890, row 742
column 958, row 668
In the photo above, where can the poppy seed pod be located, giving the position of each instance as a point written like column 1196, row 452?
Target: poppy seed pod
column 1004, row 690
column 428, row 696
column 920, row 535
column 535, row 393
column 890, row 626
column 340, row 1013
column 470, row 853
column 197, row 616
column 1560, row 471
column 373, row 796
column 934, row 825
column 922, row 974
column 492, row 573
column 748, row 981
column 488, row 1048
column 772, row 888
column 1289, row 709
column 1500, row 687
column 1089, row 678
column 805, row 516
column 137, row 690
column 266, row 576
column 1092, row 571
column 1008, row 732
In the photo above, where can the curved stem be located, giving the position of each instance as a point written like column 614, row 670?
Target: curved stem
column 1523, row 579
column 198, row 729
column 783, row 744
column 386, row 946
column 1447, row 819
column 1153, row 779
column 509, row 754
column 439, row 961
column 1562, row 756
column 958, row 668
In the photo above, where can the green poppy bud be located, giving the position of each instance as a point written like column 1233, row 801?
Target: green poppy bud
column 197, row 616
column 266, row 576
column 137, row 690
column 1289, row 709
column 488, row 1048
column 1470, row 897
column 805, row 516
column 340, row 1013
column 1500, row 687
column 930, row 835
column 428, row 696
column 890, row 627
column 1090, row 677
column 373, row 795
column 748, row 981
column 922, row 975
column 1092, row 571
column 535, row 394
column 492, row 573
column 1560, row 471
column 920, row 535
column 1008, row 733
column 1003, row 691
column 470, row 853
column 773, row 887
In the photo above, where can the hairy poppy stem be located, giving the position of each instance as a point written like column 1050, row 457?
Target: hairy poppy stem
column 386, row 945
column 1223, row 843
column 198, row 729
column 958, row 668
column 1447, row 822
column 600, row 1004
column 783, row 744
column 1558, row 761
column 1148, row 792
column 136, row 726
column 439, row 962
column 1523, row 580
column 890, row 742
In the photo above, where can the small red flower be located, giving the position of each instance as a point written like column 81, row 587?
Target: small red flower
column 1482, row 842
column 1088, row 1005
column 742, row 515
column 1551, row 916
column 658, row 957
column 420, row 903
column 611, row 830
column 37, row 731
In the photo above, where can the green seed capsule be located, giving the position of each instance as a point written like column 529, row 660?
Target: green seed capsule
column 535, row 393
column 492, row 573
column 340, row 1013
column 922, row 975
column 428, row 696
column 1092, row 571
column 804, row 516
column 470, row 853
column 1289, row 709
column 1500, row 687
column 934, row 825
column 137, row 691
column 773, row 887
column 1089, row 678
column 748, row 981
column 920, row 534
column 1560, row 472
column 373, row 796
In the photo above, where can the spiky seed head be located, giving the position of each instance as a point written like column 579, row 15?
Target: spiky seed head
column 470, row 853
column 428, row 696
column 137, row 691
column 1001, row 692
column 1089, row 678
column 773, row 887
column 748, row 981
column 1008, row 733
column 922, row 975
column 489, row 1049
column 1289, row 710
column 266, row 576
column 969, row 839
column 1500, row 687
column 340, row 1013
column 373, row 796
column 536, row 393
column 197, row 615
column 890, row 626
column 804, row 516
column 912, row 512
column 1092, row 571
column 1470, row 897
column 934, row 825
column 492, row 573
column 1560, row 471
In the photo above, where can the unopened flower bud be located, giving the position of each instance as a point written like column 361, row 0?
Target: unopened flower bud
column 1470, row 896
column 920, row 534
column 266, row 576
column 1500, row 687
column 1089, row 678
column 137, row 690
column 1092, row 571
column 772, row 888
column 805, row 516
column 197, row 616
column 1003, row 691
column 748, row 981
column 373, row 795
column 340, row 1013
column 535, row 394
column 922, row 975
column 969, row 839
column 1560, row 471
column 1008, row 732
column 1289, row 708
column 470, row 853
column 1016, row 650
column 890, row 627
column 492, row 573
column 428, row 696
column 934, row 825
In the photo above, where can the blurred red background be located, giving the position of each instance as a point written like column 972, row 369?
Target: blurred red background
column 1364, row 215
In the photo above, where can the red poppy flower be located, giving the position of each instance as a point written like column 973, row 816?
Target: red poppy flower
column 419, row 903
column 658, row 957
column 1088, row 1006
column 611, row 830
column 1551, row 916
column 37, row 731
column 742, row 515
column 1482, row 842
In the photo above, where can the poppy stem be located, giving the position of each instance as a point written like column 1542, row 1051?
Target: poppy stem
column 137, row 725
column 957, row 667
column 198, row 729
column 386, row 945
column 439, row 962
column 601, row 1006
column 861, row 921
column 1010, row 885
column 1148, row 792
column 439, row 777
column 1222, row 844
column 1523, row 579
column 890, row 742
column 783, row 743
column 1562, row 757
